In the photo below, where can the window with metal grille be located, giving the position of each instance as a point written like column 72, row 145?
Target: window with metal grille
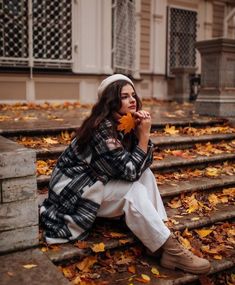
column 123, row 36
column 182, row 25
column 36, row 33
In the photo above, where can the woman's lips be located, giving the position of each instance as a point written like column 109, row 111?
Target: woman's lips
column 132, row 107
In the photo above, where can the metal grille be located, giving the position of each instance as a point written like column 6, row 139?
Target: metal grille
column 182, row 38
column 13, row 32
column 52, row 32
column 36, row 33
column 123, row 36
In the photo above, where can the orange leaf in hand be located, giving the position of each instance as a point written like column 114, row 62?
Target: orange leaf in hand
column 126, row 123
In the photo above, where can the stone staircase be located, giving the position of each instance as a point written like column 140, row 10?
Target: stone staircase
column 213, row 174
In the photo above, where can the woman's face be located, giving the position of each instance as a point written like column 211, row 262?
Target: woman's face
column 128, row 100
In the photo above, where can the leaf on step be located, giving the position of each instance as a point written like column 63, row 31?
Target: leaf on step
column 143, row 279
column 155, row 271
column 213, row 199
column 171, row 130
column 203, row 232
column 217, row 257
column 195, row 219
column 68, row 272
column 29, row 266
column 175, row 203
column 131, row 269
column 98, row 247
column 212, row 171
column 51, row 141
column 86, row 264
column 185, row 242
column 124, row 241
column 116, row 235
column 81, row 244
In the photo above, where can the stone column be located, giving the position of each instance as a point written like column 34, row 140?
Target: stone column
column 18, row 203
column 217, row 92
column 182, row 83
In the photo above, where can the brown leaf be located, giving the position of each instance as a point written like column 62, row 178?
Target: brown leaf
column 86, row 263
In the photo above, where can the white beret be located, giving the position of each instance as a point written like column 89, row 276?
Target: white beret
column 107, row 81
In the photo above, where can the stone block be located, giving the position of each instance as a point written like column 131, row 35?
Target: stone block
column 18, row 239
column 15, row 160
column 17, row 189
column 18, row 214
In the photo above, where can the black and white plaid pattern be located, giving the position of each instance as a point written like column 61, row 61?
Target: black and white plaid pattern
column 105, row 159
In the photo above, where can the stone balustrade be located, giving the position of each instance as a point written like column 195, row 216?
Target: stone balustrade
column 18, row 190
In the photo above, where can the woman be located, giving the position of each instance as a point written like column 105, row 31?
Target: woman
column 105, row 173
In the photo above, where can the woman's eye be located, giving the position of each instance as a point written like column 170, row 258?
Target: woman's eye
column 123, row 97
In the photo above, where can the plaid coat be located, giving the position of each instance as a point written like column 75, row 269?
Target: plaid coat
column 78, row 179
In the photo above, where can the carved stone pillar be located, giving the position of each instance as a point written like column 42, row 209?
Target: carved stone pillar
column 217, row 92
column 182, row 83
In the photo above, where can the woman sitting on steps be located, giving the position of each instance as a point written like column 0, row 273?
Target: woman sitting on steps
column 105, row 172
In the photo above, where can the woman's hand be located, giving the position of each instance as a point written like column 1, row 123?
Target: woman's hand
column 143, row 123
column 143, row 126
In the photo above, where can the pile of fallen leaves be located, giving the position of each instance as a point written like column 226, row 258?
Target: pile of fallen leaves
column 226, row 168
column 98, row 269
column 131, row 264
column 202, row 202
column 215, row 242
column 43, row 106
column 45, row 142
column 45, row 167
column 171, row 130
column 199, row 149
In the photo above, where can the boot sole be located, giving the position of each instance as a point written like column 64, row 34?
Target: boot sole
column 186, row 269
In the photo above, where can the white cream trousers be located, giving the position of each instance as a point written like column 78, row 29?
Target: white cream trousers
column 142, row 205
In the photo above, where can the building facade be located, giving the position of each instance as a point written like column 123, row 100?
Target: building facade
column 60, row 50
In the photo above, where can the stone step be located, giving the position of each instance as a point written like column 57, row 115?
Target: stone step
column 169, row 164
column 44, row 128
column 69, row 250
column 161, row 142
column 173, row 163
column 167, row 277
column 169, row 190
column 40, row 271
column 184, row 141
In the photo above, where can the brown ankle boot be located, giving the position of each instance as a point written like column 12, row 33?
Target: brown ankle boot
column 176, row 256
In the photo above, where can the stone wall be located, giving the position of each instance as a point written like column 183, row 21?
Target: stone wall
column 18, row 204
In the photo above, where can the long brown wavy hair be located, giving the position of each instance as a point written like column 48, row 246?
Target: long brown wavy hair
column 105, row 108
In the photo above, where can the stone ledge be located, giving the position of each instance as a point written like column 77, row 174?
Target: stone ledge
column 17, row 189
column 19, row 239
column 18, row 214
column 15, row 160
column 45, row 273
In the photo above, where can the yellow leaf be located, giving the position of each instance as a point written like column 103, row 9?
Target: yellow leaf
column 171, row 130
column 145, row 277
column 185, row 242
column 203, row 233
column 29, row 266
column 195, row 219
column 68, row 272
column 155, row 271
column 98, row 247
column 217, row 257
column 50, row 141
column 126, row 123
column 213, row 199
column 212, row 171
